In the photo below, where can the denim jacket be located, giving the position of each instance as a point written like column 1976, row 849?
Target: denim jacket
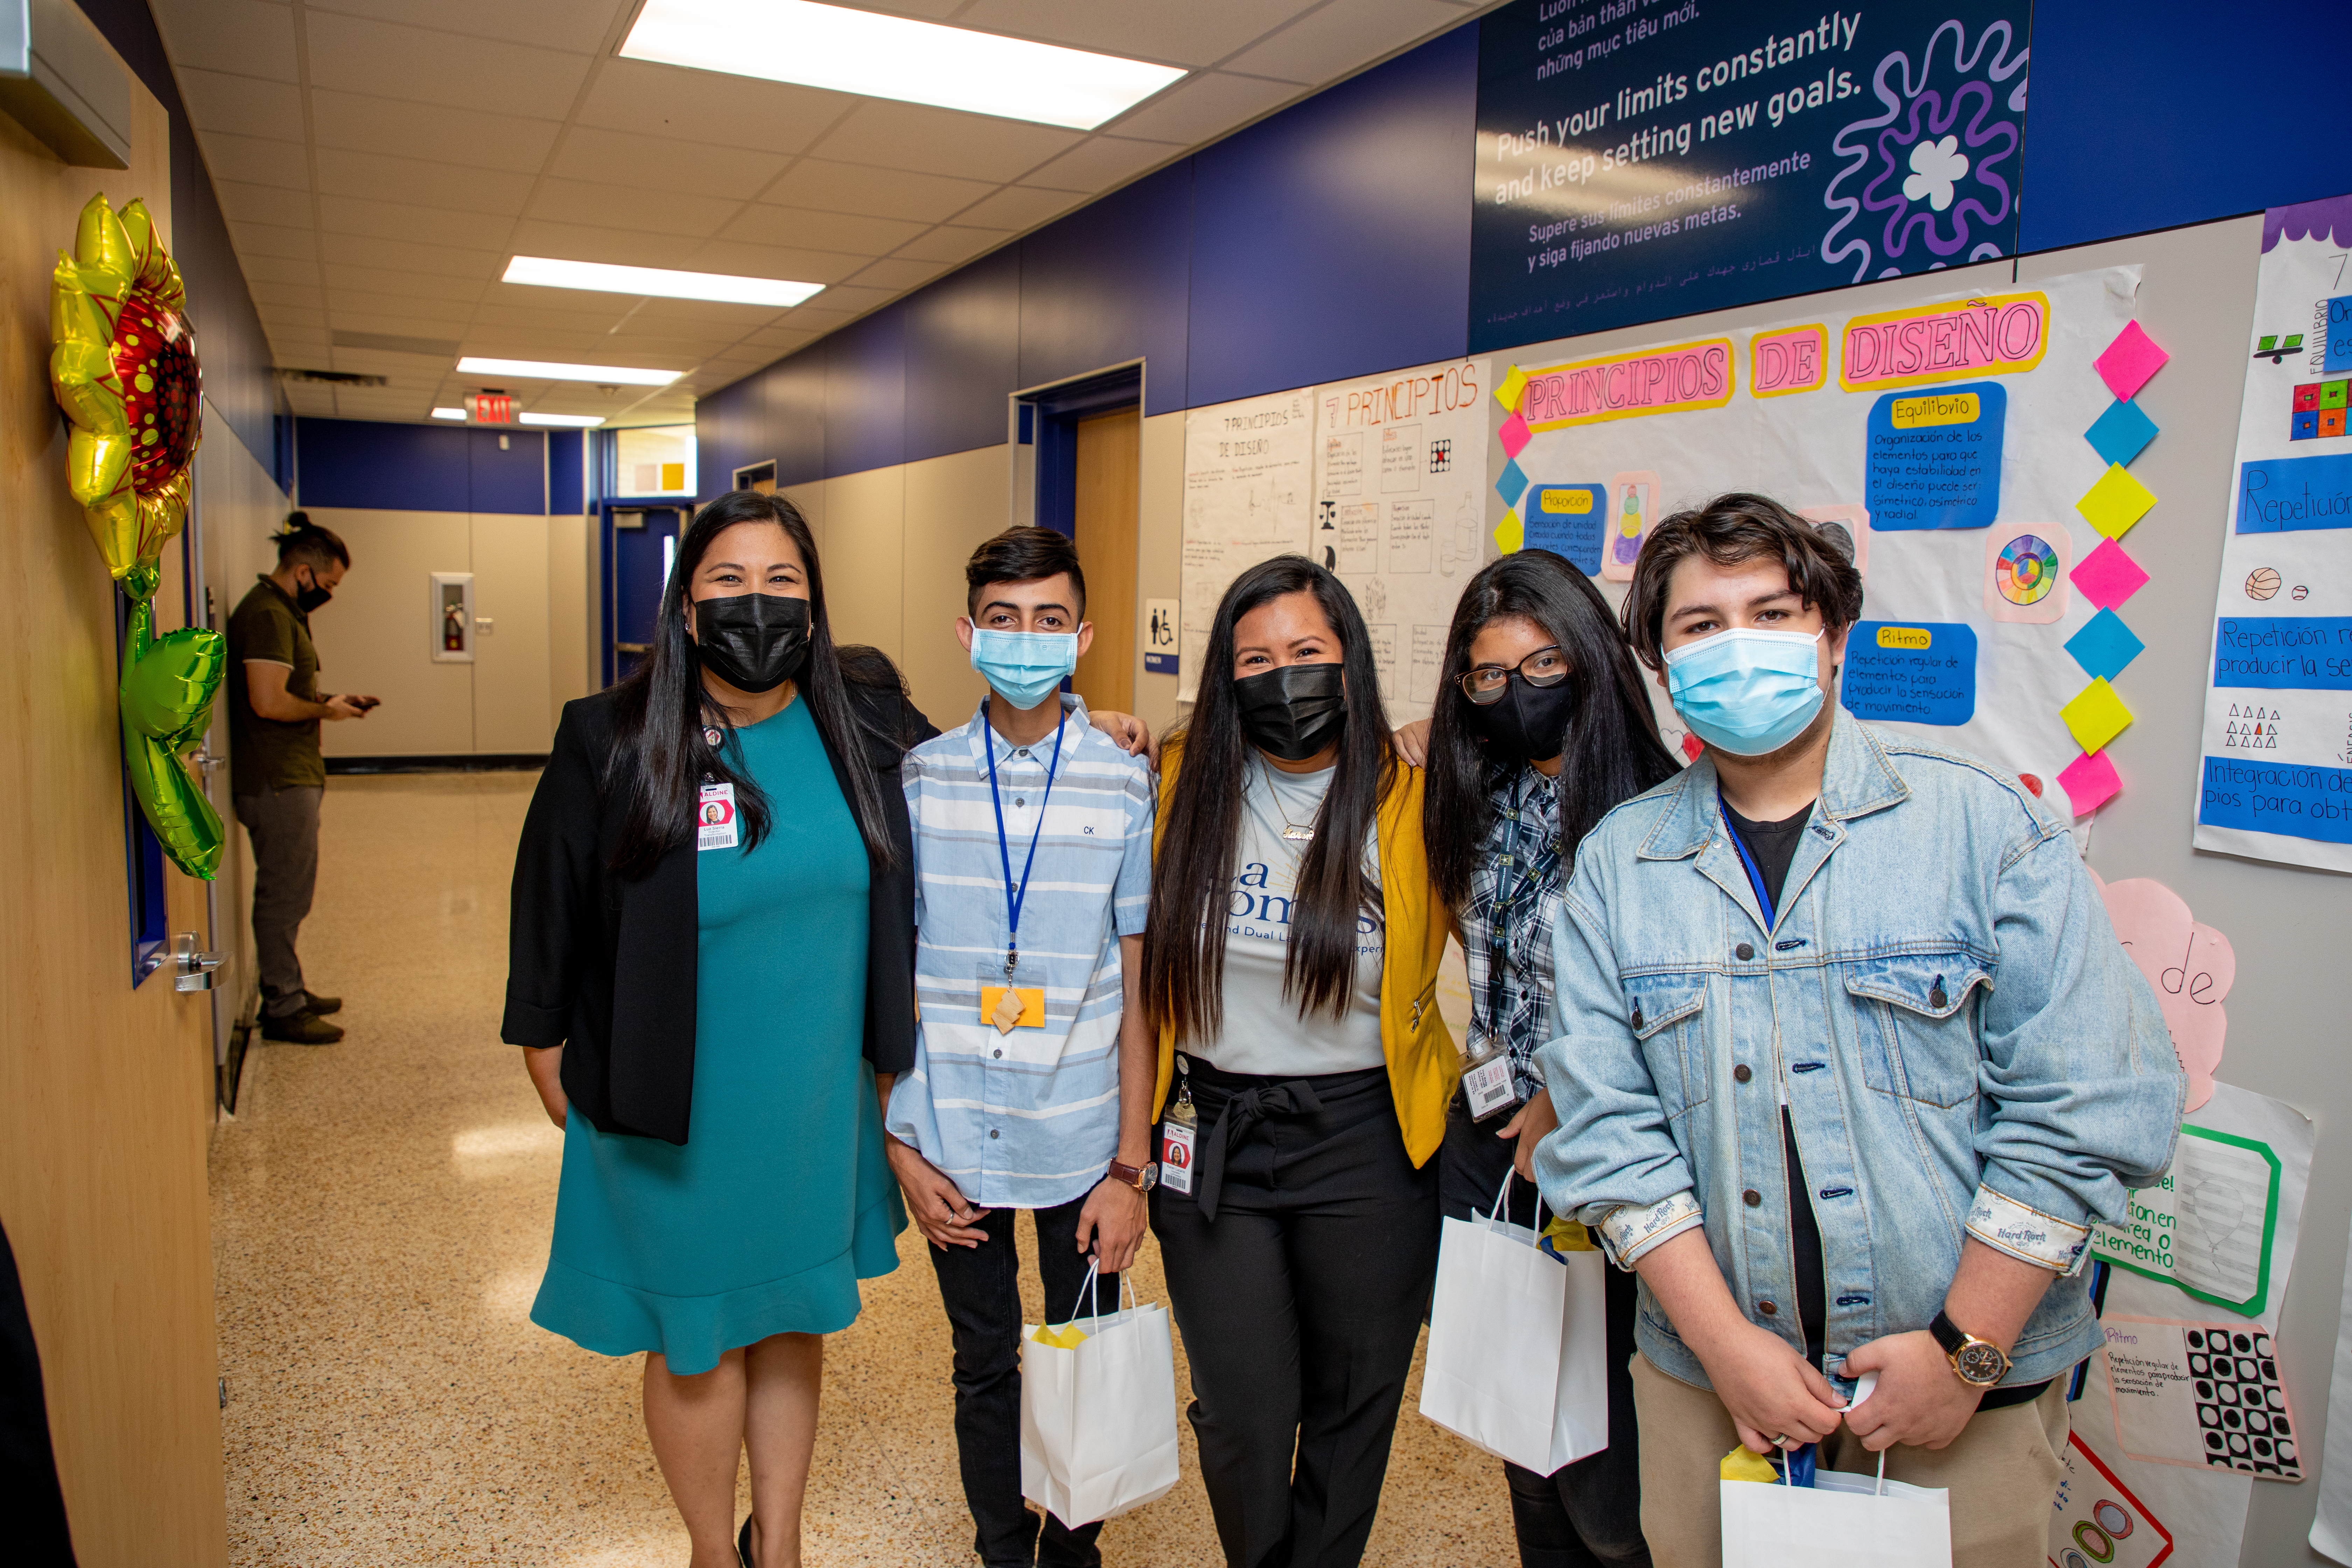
column 1964, row 1046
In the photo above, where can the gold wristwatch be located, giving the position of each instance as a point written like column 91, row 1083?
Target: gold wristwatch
column 1980, row 1363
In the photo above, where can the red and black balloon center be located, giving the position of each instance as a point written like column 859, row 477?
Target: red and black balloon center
column 155, row 361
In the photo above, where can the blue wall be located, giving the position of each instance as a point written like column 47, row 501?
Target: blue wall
column 427, row 467
column 1333, row 239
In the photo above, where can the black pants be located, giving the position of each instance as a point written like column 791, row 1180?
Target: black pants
column 1299, row 1304
column 1589, row 1512
column 982, row 1287
column 31, row 1505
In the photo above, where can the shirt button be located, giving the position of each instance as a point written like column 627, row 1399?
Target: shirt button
column 992, row 1132
column 1744, row 951
column 1766, row 1307
column 996, row 1053
column 1742, row 1073
column 1752, row 1197
column 1018, row 801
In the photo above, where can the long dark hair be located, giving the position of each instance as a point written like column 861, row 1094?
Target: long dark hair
column 1191, row 877
column 1613, row 751
column 661, row 757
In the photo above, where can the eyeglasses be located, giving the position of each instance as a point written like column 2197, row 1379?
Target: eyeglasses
column 1545, row 667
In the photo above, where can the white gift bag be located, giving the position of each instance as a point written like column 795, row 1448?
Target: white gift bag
column 1840, row 1522
column 1519, row 1343
column 1098, row 1421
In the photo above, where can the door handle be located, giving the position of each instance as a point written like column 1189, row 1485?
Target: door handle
column 192, row 969
column 632, row 647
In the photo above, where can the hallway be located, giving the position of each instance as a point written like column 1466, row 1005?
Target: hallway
column 381, row 1211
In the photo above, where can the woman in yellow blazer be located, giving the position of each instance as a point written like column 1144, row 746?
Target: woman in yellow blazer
column 1290, row 967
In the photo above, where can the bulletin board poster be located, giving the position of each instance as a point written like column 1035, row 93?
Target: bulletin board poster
column 1248, row 486
column 1639, row 161
column 1400, row 510
column 2275, row 771
column 1943, row 439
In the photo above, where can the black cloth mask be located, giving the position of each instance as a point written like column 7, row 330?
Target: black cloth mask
column 753, row 642
column 1293, row 711
column 1526, row 724
column 310, row 596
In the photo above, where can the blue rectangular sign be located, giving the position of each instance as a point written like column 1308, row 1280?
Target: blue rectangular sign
column 2284, row 653
column 2295, row 495
column 1641, row 159
column 2293, row 799
column 1935, row 456
column 1922, row 673
column 1567, row 520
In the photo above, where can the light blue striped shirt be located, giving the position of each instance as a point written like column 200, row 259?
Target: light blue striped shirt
column 1028, row 1119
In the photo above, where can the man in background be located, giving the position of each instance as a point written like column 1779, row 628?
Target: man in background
column 277, row 777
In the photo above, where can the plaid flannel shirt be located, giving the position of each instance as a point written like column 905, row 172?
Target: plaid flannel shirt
column 1525, row 834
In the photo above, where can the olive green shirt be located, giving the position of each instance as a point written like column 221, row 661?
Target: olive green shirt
column 277, row 753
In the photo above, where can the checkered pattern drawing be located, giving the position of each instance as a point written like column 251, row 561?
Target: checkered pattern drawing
column 2241, row 1406
column 1441, row 455
column 2319, row 409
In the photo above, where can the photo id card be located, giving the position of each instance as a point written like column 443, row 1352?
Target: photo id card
column 714, row 816
column 1176, row 1141
column 1488, row 1087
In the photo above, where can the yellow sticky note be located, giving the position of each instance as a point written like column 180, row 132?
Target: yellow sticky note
column 1745, row 1464
column 2096, row 716
column 1510, row 534
column 1507, row 394
column 2115, row 502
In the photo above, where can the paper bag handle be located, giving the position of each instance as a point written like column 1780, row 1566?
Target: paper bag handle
column 1502, row 1210
column 1089, row 1293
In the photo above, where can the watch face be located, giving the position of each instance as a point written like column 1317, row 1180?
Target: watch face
column 1980, row 1362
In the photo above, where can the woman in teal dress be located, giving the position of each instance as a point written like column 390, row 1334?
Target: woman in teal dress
column 724, row 1186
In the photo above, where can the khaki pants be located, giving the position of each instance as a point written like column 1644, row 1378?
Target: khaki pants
column 2001, row 1472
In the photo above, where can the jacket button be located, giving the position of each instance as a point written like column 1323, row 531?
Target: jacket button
column 1935, row 998
column 1752, row 1197
column 1767, row 1309
column 1742, row 1073
column 1637, row 1015
column 1743, row 952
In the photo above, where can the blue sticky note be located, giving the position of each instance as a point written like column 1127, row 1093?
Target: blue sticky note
column 2118, row 435
column 1512, row 483
column 1934, row 457
column 2104, row 646
column 1567, row 520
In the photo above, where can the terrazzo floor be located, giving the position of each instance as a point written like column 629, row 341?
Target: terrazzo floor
column 381, row 1211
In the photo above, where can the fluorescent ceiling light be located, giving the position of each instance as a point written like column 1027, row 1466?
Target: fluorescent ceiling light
column 581, row 420
column 660, row 281
column 449, row 413
column 894, row 57
column 549, row 370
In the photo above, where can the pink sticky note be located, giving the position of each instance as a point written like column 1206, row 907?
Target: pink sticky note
column 2189, row 966
column 1515, row 434
column 2107, row 575
column 2129, row 360
column 2090, row 782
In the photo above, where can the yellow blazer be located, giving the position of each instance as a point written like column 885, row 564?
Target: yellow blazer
column 1423, row 1066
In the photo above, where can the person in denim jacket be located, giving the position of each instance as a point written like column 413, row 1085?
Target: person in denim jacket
column 1849, row 1062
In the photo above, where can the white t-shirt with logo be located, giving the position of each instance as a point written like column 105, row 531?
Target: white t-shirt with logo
column 1262, row 1032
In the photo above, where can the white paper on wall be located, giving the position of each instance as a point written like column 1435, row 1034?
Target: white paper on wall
column 2331, row 1531
column 1246, row 488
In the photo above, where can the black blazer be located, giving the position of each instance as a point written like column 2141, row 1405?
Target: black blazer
column 605, row 966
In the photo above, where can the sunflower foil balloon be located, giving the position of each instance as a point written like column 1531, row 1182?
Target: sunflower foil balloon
column 123, row 366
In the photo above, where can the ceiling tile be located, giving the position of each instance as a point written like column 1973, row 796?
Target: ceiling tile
column 349, row 303
column 1101, row 161
column 309, row 400
column 258, row 162
column 942, row 142
column 400, row 221
column 367, row 250
column 292, row 316
column 423, row 322
column 1017, row 206
column 591, row 325
column 274, row 293
column 1195, row 33
column 243, row 38
column 1342, row 36
column 843, row 300
column 775, row 341
column 398, row 280
column 775, row 261
column 263, row 203
column 242, row 105
column 725, row 323
column 628, row 348
column 273, row 239
column 659, row 163
column 802, row 228
column 379, row 177
column 594, row 242
column 557, row 24
column 678, row 214
column 948, row 243
column 449, row 135
column 259, row 268
column 1193, row 111
column 362, row 55
column 707, row 106
column 900, row 274
column 878, row 192
column 412, row 369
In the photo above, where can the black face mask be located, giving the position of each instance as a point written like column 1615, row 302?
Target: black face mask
column 1526, row 724
column 754, row 642
column 1295, row 711
column 310, row 598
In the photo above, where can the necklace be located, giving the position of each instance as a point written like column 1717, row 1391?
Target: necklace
column 1291, row 831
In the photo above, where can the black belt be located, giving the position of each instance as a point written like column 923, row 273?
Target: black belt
column 1241, row 1112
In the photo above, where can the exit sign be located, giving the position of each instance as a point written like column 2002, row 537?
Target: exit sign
column 490, row 408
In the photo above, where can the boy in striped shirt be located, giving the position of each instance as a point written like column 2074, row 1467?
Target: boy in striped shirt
column 1032, row 1076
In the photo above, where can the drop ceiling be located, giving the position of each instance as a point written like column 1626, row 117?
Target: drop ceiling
column 381, row 161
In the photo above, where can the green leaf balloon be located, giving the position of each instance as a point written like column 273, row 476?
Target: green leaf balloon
column 168, row 686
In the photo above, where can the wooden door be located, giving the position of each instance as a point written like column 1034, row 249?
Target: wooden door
column 1110, row 447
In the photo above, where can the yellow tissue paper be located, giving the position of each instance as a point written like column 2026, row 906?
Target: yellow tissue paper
column 2096, row 716
column 1068, row 1337
column 1745, row 1464
column 1568, row 1235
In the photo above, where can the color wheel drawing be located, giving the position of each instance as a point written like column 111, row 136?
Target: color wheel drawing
column 2025, row 572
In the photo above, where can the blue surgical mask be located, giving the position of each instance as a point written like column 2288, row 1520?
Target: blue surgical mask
column 1747, row 691
column 1025, row 668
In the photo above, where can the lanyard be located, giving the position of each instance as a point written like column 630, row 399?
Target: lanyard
column 1540, row 871
column 1015, row 895
column 1755, row 876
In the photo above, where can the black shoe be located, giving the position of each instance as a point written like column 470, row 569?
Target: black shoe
column 300, row 1029
column 743, row 1545
column 322, row 1005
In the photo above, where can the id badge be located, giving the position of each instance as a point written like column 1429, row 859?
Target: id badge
column 715, row 825
column 1488, row 1087
column 1176, row 1141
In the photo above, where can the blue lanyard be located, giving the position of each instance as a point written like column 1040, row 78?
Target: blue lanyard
column 1015, row 895
column 1755, row 876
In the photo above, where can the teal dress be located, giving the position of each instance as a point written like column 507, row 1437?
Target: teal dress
column 780, row 1200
